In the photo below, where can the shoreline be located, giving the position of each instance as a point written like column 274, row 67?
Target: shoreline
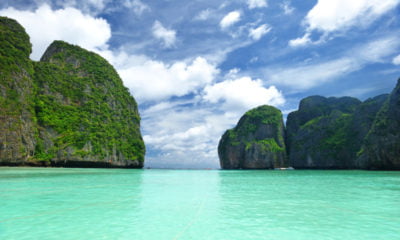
column 198, row 169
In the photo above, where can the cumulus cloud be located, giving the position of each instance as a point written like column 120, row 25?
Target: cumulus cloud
column 230, row 19
column 243, row 93
column 186, row 133
column 330, row 16
column 257, row 3
column 191, row 134
column 45, row 25
column 152, row 80
column 168, row 36
column 259, row 32
column 396, row 60
column 335, row 16
column 180, row 129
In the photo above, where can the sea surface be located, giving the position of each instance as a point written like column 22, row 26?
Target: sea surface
column 57, row 203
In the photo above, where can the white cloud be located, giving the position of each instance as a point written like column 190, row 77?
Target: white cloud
column 203, row 15
column 190, row 134
column 151, row 80
column 92, row 7
column 185, row 133
column 178, row 133
column 168, row 36
column 243, row 93
column 137, row 6
column 257, row 33
column 230, row 19
column 257, row 3
column 396, row 60
column 329, row 16
column 309, row 76
column 299, row 42
column 312, row 75
column 189, row 130
column 358, row 92
column 254, row 59
column 377, row 50
column 287, row 8
column 98, row 4
column 45, row 25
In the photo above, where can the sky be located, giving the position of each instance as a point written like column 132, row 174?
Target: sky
column 196, row 66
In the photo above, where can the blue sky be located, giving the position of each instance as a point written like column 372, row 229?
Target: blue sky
column 196, row 66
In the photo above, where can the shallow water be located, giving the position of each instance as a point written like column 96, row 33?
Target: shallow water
column 37, row 203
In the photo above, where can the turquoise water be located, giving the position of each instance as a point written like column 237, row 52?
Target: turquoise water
column 96, row 204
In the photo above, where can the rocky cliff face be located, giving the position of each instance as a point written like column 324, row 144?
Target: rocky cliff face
column 17, row 126
column 330, row 131
column 316, row 106
column 325, row 133
column 257, row 142
column 74, row 109
column 381, row 149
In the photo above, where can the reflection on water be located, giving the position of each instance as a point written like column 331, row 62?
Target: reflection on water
column 184, row 204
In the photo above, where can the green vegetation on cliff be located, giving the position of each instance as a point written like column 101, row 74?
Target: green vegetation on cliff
column 79, row 109
column 381, row 148
column 332, row 138
column 81, row 97
column 14, row 61
column 266, row 145
column 257, row 142
column 325, row 133
column 17, row 123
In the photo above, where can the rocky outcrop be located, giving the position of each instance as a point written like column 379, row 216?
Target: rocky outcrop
column 363, row 118
column 17, row 126
column 330, row 131
column 316, row 106
column 325, row 133
column 381, row 148
column 257, row 142
column 70, row 109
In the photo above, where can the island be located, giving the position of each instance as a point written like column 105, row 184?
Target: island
column 324, row 133
column 70, row 109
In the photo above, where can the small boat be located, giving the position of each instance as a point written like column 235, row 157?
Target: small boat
column 288, row 168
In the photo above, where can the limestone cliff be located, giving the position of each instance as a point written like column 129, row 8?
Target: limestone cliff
column 314, row 107
column 18, row 130
column 69, row 109
column 331, row 136
column 257, row 142
column 324, row 133
column 381, row 149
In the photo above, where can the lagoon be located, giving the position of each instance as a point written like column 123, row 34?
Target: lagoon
column 59, row 203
